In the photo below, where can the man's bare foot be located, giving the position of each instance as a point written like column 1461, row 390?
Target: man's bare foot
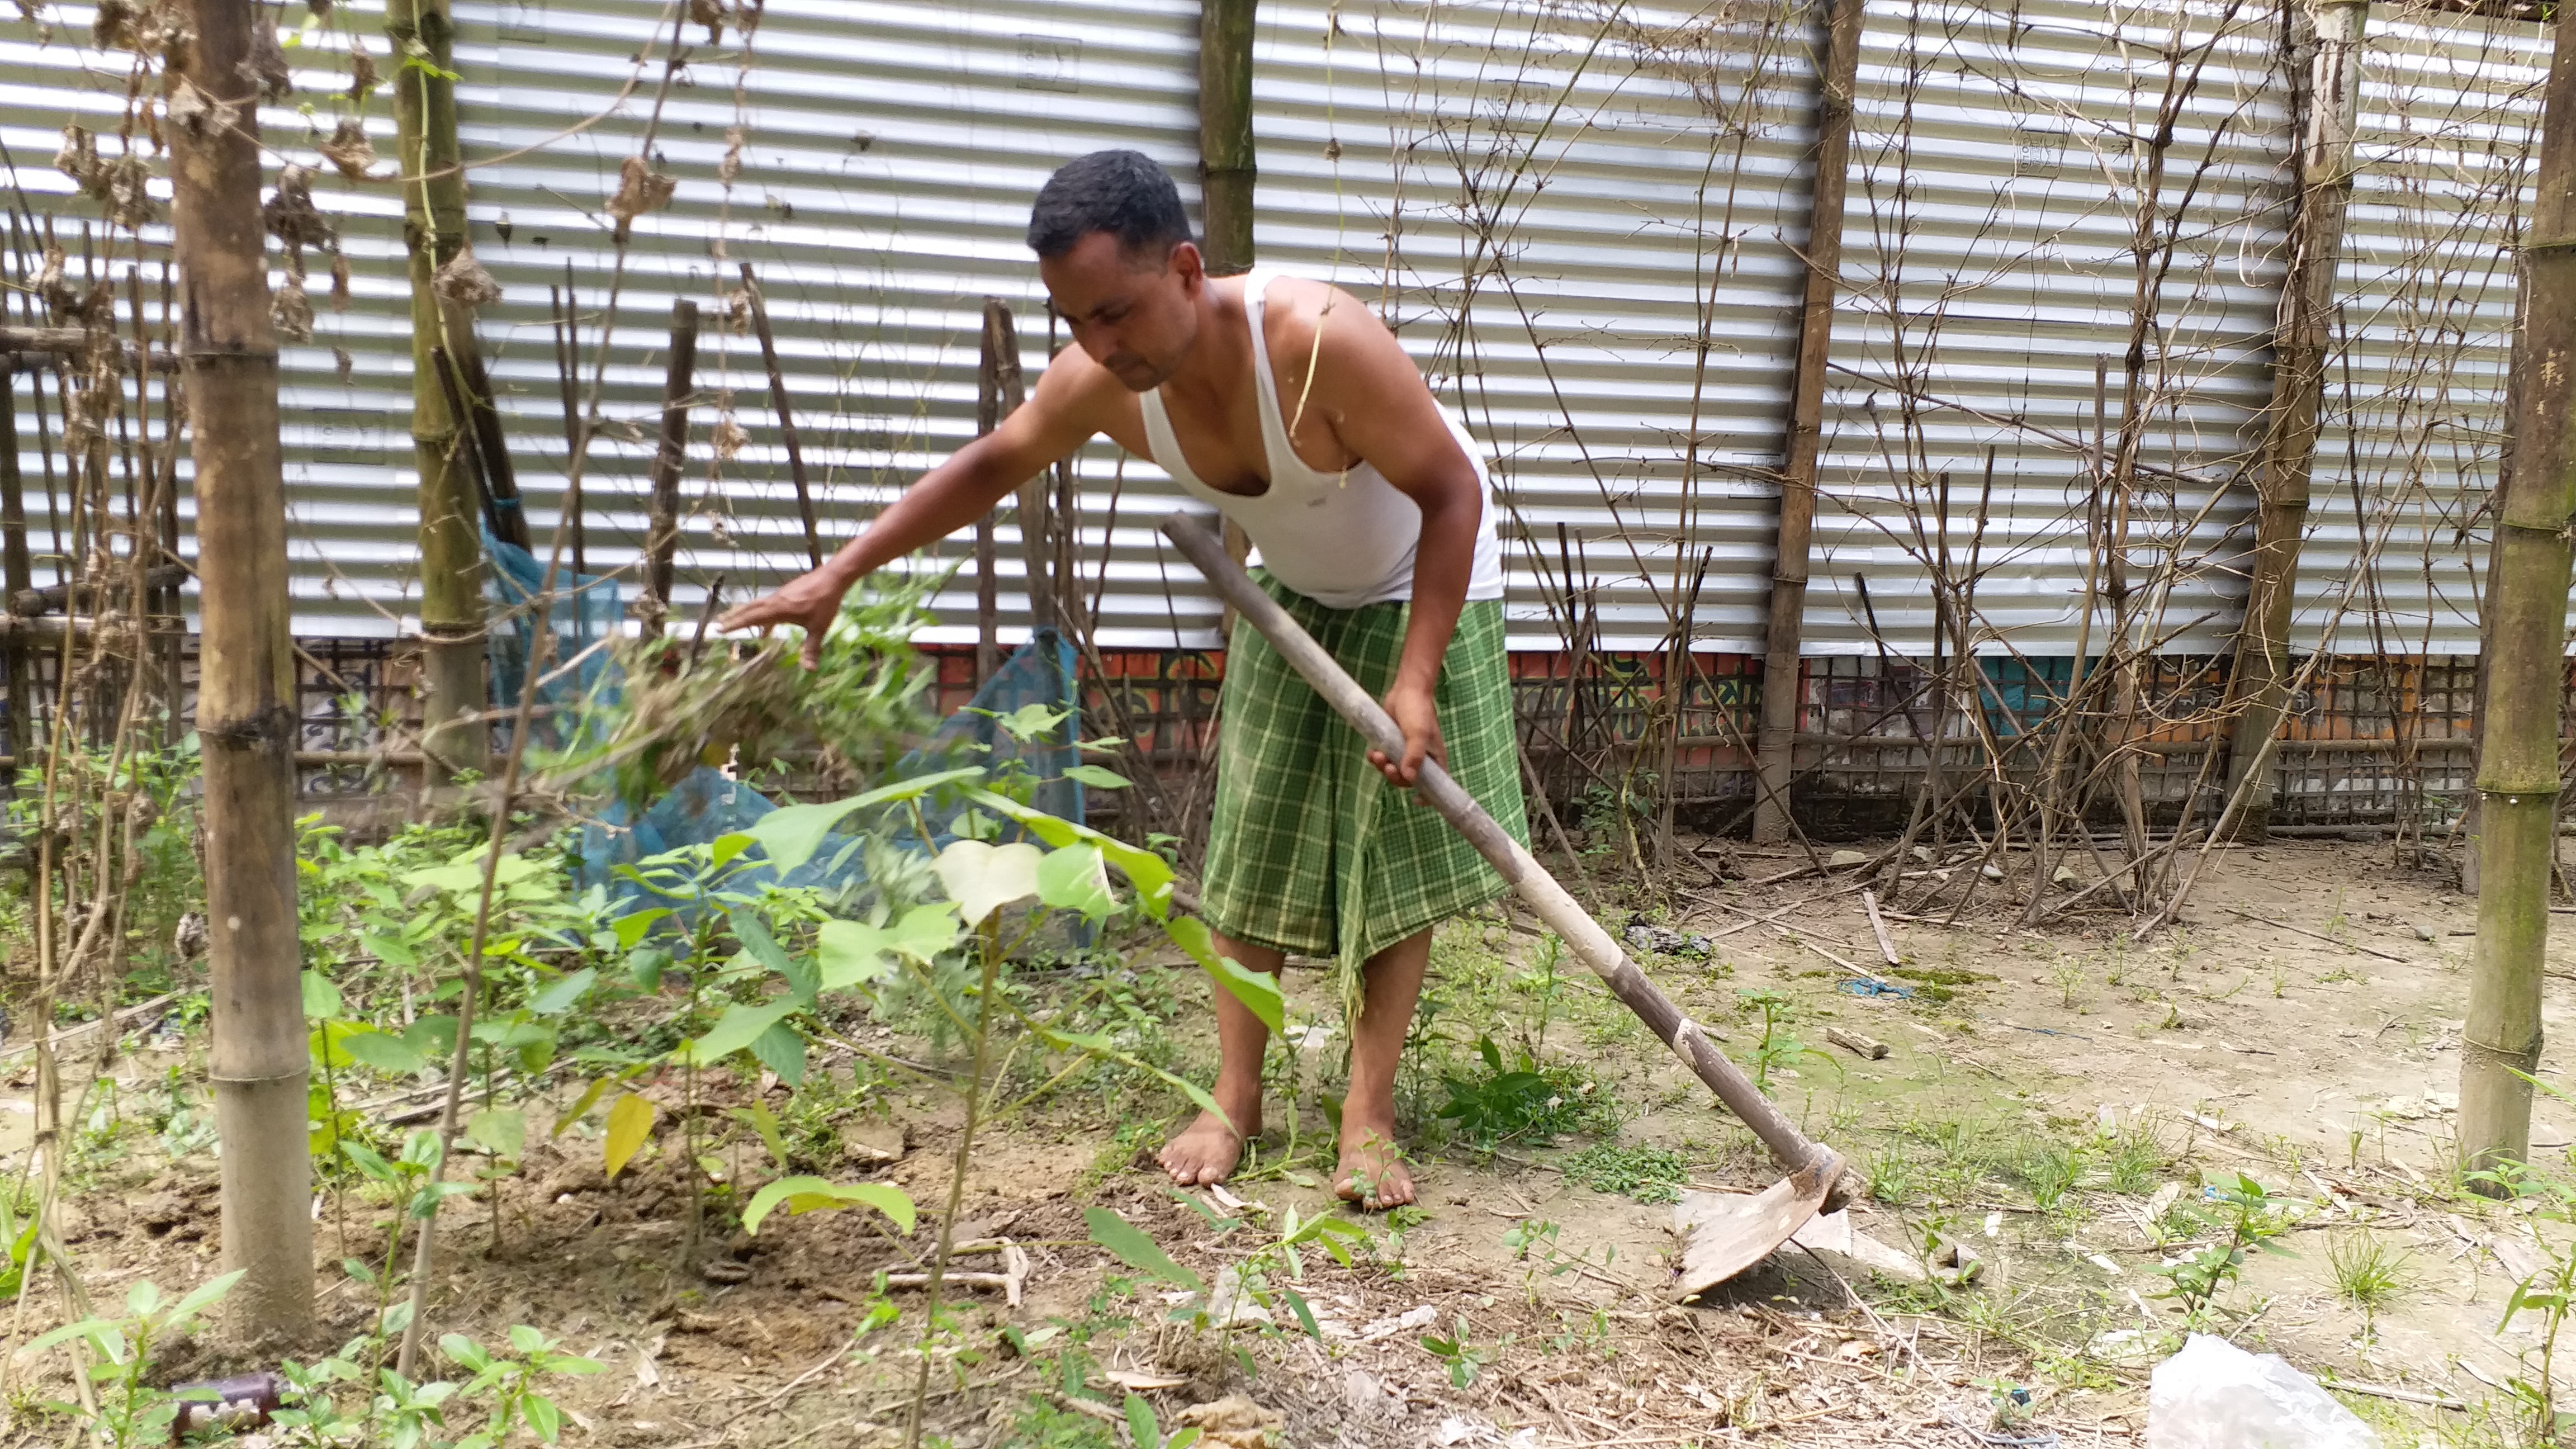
column 1372, row 1171
column 1207, row 1149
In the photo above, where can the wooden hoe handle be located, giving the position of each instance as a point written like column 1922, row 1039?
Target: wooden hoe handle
column 1593, row 945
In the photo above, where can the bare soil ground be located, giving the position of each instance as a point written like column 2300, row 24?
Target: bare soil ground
column 2302, row 1027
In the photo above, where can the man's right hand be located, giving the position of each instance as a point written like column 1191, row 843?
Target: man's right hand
column 810, row 600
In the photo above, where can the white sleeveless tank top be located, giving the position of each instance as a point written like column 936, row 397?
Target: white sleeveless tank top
column 1340, row 539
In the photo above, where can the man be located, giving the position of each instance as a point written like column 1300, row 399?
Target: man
column 1289, row 406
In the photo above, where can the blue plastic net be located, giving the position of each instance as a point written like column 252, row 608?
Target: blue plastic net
column 706, row 804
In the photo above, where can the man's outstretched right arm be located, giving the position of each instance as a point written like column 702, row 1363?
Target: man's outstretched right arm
column 1063, row 414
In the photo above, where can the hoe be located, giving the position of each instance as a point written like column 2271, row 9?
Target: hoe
column 1727, row 1234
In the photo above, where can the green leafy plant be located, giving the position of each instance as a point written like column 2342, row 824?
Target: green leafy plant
column 2547, row 1292
column 1510, row 1101
column 510, row 1381
column 1465, row 1359
column 1257, row 1275
column 2369, row 1273
column 131, row 1411
column 2235, row 1216
column 1648, row 1174
column 1776, row 1048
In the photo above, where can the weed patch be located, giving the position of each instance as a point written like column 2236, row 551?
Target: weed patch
column 1648, row 1174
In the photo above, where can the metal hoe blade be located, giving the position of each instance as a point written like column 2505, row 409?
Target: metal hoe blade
column 1726, row 1233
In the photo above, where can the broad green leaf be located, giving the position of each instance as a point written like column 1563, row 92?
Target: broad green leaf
column 499, row 1131
column 1142, row 1424
column 542, row 1415
column 765, row 1122
column 781, row 1050
column 1031, row 721
column 1148, row 872
column 1100, row 1044
column 753, row 932
column 434, row 1037
column 983, row 878
column 1075, row 879
column 726, row 847
column 88, row 1328
column 854, row 952
column 792, row 833
column 328, row 1044
column 1136, row 1250
column 581, row 1108
column 736, row 1029
column 630, row 1121
column 1097, row 777
column 321, row 998
column 814, row 1194
column 388, row 1054
column 1257, row 990
column 631, row 929
column 1305, row 1314
column 562, row 995
column 203, row 1296
column 392, row 951
column 1189, row 1434
column 798, row 973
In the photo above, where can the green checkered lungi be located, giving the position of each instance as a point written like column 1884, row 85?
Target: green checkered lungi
column 1311, row 851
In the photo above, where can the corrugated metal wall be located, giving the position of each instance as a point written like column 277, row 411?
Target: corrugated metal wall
column 2414, row 415
column 1584, row 221
column 2001, row 164
column 1580, row 220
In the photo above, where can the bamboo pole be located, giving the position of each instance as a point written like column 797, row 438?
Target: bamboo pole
column 17, row 572
column 786, row 417
column 2527, row 598
column 563, row 300
column 246, row 689
column 454, row 690
column 662, row 526
column 988, row 416
column 2257, row 684
column 1036, row 515
column 1226, row 155
column 491, row 446
column 1775, row 749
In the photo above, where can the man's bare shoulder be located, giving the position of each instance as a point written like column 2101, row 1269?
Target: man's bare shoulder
column 1076, row 393
column 1306, row 321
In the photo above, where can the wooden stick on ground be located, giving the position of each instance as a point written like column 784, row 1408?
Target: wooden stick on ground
column 1878, row 926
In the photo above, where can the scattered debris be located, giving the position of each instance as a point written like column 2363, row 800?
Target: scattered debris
column 2214, row 1395
column 1834, row 1235
column 1869, row 1048
column 1235, row 1422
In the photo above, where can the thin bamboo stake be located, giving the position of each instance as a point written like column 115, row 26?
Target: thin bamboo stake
column 1775, row 755
column 17, row 571
column 2518, row 776
column 1047, row 584
column 662, row 526
column 246, row 691
column 786, row 416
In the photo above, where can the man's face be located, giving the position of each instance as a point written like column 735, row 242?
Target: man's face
column 1135, row 313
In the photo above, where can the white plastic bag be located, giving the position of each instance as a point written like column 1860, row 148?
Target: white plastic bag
column 2214, row 1395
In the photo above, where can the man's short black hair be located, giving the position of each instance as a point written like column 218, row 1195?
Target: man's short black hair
column 1120, row 192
